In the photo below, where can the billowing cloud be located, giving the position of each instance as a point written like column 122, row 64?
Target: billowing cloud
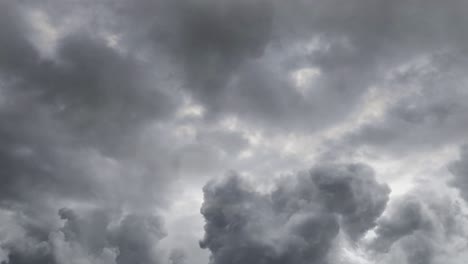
column 297, row 222
column 114, row 114
column 87, row 237
column 421, row 228
column 71, row 127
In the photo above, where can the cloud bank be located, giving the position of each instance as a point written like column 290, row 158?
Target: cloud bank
column 118, row 120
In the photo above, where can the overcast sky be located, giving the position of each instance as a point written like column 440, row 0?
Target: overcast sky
column 233, row 132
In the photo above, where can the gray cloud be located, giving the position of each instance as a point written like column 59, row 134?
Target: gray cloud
column 242, row 70
column 459, row 169
column 353, row 192
column 424, row 119
column 235, row 233
column 210, row 38
column 358, row 42
column 355, row 45
column 71, row 129
column 90, row 237
column 421, row 228
column 90, row 231
column 222, row 65
column 90, row 99
column 403, row 221
column 177, row 256
column 297, row 222
column 136, row 238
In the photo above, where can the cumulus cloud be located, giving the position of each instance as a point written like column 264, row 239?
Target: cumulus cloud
column 87, row 237
column 421, row 228
column 297, row 222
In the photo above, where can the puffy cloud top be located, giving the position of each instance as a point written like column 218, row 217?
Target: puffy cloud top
column 297, row 222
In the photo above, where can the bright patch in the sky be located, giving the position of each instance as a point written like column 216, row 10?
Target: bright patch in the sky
column 304, row 78
column 45, row 35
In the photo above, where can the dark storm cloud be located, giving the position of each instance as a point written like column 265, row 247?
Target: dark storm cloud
column 28, row 247
column 228, row 59
column 245, row 70
column 89, row 231
column 402, row 221
column 421, row 228
column 236, row 57
column 35, row 155
column 70, row 128
column 110, row 92
column 17, row 53
column 102, row 95
column 39, row 255
column 211, row 38
column 132, row 240
column 459, row 169
column 240, row 221
column 353, row 192
column 214, row 37
column 422, row 119
column 95, row 123
column 358, row 42
column 297, row 222
column 91, row 237
column 222, row 63
column 136, row 237
column 417, row 62
column 89, row 99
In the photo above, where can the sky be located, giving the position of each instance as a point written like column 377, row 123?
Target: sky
column 233, row 132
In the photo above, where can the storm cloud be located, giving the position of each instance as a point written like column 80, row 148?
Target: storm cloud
column 297, row 222
column 420, row 228
column 459, row 169
column 88, row 237
column 118, row 120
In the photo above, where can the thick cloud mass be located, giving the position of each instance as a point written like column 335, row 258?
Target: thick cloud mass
column 459, row 169
column 70, row 127
column 422, row 228
column 297, row 222
column 89, row 237
column 114, row 114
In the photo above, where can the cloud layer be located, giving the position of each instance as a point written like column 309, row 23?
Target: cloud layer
column 118, row 120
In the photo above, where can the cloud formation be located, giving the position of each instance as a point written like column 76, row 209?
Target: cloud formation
column 89, row 237
column 420, row 228
column 114, row 114
column 459, row 169
column 297, row 222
